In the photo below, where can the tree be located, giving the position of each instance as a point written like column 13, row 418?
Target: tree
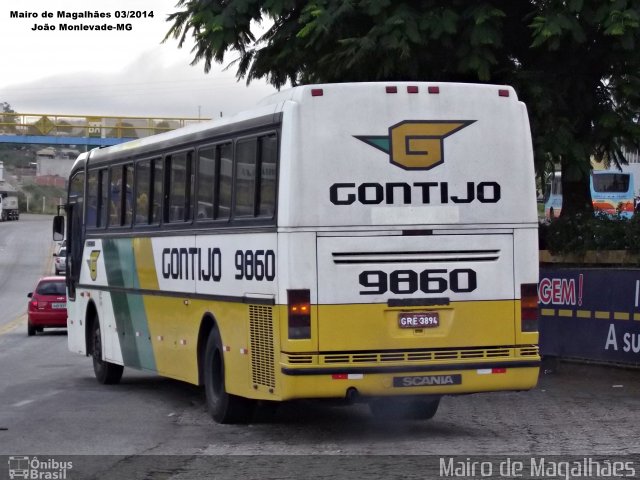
column 122, row 130
column 574, row 62
column 8, row 119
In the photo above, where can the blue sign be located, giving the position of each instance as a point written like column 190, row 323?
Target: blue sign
column 591, row 314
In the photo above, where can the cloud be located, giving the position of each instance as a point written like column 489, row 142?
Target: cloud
column 154, row 84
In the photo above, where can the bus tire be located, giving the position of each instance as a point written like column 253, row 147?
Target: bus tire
column 223, row 407
column 404, row 409
column 106, row 373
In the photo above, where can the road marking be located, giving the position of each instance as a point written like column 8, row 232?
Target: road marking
column 13, row 324
column 4, row 329
column 48, row 394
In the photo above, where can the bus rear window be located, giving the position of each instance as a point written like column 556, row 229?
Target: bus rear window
column 611, row 182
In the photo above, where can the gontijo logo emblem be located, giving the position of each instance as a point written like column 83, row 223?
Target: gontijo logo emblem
column 92, row 261
column 416, row 144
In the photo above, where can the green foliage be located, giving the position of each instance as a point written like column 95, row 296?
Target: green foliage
column 7, row 120
column 579, row 233
column 53, row 196
column 13, row 155
column 575, row 63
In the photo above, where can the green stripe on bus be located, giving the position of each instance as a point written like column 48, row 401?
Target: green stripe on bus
column 128, row 309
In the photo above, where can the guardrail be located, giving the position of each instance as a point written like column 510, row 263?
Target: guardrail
column 89, row 126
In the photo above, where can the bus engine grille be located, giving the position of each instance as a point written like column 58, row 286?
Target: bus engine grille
column 427, row 355
column 262, row 356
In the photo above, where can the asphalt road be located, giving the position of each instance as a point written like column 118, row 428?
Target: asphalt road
column 25, row 254
column 150, row 427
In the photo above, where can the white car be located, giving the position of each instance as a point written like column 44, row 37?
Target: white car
column 60, row 261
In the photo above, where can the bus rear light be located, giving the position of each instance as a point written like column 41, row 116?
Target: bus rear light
column 490, row 371
column 317, row 92
column 391, row 89
column 412, row 89
column 299, row 302
column 503, row 92
column 529, row 307
column 433, row 90
column 347, row 376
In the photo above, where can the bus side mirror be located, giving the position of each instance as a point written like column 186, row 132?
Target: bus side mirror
column 58, row 228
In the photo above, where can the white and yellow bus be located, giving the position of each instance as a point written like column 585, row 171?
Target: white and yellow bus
column 371, row 242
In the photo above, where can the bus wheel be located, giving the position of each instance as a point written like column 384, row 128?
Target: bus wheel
column 106, row 373
column 404, row 409
column 223, row 407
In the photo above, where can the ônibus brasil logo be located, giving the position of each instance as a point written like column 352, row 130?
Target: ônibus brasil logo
column 37, row 469
column 416, row 144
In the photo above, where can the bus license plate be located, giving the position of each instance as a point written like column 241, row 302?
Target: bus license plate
column 58, row 305
column 418, row 319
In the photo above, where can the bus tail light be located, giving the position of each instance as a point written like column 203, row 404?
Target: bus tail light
column 529, row 307
column 299, row 304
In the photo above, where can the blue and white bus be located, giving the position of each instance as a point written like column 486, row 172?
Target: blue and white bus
column 611, row 193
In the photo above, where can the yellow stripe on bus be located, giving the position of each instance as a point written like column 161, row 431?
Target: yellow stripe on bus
column 144, row 262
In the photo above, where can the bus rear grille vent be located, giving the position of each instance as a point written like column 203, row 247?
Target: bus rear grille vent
column 531, row 351
column 445, row 355
column 498, row 353
column 418, row 355
column 297, row 359
column 364, row 358
column 337, row 358
column 430, row 256
column 262, row 355
column 472, row 354
column 391, row 357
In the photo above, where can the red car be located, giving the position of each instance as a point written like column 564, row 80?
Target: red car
column 47, row 305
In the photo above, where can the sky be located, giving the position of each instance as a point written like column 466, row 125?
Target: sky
column 128, row 73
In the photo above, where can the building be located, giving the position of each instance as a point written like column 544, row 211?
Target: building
column 54, row 165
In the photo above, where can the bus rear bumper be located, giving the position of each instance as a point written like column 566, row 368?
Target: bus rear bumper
column 327, row 382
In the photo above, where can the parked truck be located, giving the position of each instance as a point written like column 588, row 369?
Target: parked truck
column 9, row 207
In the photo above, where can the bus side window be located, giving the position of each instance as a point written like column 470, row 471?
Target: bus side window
column 225, row 180
column 115, row 196
column 206, row 183
column 103, row 202
column 143, row 186
column 245, row 186
column 268, row 169
column 180, row 187
column 127, row 192
column 156, row 194
column 93, row 188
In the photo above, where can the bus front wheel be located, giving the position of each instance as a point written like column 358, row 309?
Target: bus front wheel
column 223, row 407
column 106, row 373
